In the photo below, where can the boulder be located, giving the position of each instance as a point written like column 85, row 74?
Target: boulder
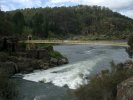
column 56, row 61
column 9, row 44
column 23, row 67
column 9, row 68
column 62, row 61
column 31, row 53
column 125, row 90
column 53, row 62
column 43, row 54
column 38, row 54
column 27, row 65
column 43, row 65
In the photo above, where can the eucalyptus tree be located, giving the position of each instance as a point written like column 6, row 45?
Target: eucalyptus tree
column 19, row 22
column 130, row 48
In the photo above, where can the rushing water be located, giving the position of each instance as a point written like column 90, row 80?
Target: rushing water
column 85, row 61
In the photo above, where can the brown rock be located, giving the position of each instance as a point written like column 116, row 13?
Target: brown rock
column 9, row 68
column 53, row 62
column 125, row 90
column 38, row 54
column 62, row 61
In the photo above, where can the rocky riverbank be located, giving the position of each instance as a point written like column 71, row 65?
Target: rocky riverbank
column 116, row 84
column 125, row 88
column 15, row 58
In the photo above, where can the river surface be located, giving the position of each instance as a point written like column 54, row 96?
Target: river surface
column 84, row 62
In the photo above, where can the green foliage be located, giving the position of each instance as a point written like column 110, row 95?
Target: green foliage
column 55, row 54
column 93, row 21
column 65, row 22
column 6, row 26
column 19, row 22
column 27, row 31
column 51, row 51
column 48, row 47
column 104, row 85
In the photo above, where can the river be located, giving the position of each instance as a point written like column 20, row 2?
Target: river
column 84, row 62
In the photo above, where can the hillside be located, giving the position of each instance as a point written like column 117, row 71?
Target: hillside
column 68, row 22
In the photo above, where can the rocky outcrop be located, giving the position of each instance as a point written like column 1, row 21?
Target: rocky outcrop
column 125, row 90
column 62, row 61
column 58, row 61
column 29, row 61
column 9, row 68
column 38, row 54
column 15, row 58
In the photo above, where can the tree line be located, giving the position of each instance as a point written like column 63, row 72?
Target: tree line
column 65, row 22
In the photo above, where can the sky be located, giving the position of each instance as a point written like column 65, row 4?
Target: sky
column 124, row 7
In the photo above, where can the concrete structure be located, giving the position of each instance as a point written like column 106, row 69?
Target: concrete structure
column 111, row 43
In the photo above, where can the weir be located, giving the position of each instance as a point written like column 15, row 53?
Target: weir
column 110, row 43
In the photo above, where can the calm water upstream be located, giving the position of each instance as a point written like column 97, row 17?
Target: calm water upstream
column 85, row 61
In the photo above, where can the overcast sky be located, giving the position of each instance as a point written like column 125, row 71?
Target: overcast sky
column 124, row 7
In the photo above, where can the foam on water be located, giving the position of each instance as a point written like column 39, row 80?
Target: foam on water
column 71, row 75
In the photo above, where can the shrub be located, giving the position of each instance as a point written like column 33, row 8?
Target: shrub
column 55, row 54
column 52, row 53
column 49, row 48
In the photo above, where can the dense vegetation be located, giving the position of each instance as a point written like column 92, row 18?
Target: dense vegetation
column 6, row 25
column 66, row 22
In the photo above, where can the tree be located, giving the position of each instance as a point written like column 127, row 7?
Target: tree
column 68, row 22
column 46, row 28
column 38, row 24
column 19, row 22
column 27, row 31
column 6, row 27
column 130, row 48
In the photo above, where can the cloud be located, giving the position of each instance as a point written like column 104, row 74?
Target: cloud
column 63, row 1
column 53, row 3
column 7, row 5
column 128, row 13
column 113, row 4
column 123, row 6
